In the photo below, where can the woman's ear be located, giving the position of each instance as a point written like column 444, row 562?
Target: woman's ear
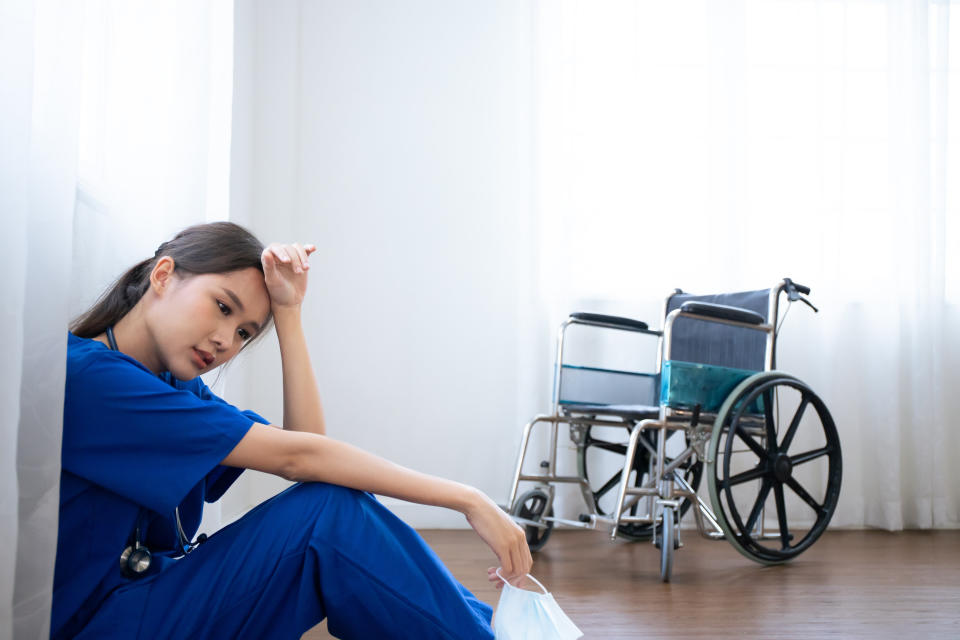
column 162, row 275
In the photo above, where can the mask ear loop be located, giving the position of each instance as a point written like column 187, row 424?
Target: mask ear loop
column 537, row 582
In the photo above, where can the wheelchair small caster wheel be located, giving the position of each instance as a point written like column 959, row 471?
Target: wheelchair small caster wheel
column 666, row 539
column 532, row 505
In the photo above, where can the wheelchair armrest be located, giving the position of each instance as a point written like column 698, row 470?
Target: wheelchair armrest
column 721, row 311
column 614, row 322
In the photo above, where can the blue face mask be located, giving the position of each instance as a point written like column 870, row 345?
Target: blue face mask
column 528, row 615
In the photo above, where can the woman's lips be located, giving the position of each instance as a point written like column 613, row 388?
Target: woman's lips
column 202, row 358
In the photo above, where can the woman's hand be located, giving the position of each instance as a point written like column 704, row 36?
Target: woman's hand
column 285, row 271
column 503, row 535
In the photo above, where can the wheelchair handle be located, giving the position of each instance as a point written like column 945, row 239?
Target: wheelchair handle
column 796, row 291
column 794, row 288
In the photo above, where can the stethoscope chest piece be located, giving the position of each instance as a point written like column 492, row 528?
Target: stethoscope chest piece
column 135, row 559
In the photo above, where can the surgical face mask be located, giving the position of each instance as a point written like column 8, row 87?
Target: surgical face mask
column 528, row 615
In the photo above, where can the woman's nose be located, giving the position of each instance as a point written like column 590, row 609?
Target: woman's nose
column 224, row 338
column 218, row 340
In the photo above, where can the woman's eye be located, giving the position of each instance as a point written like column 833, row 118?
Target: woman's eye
column 223, row 308
column 244, row 334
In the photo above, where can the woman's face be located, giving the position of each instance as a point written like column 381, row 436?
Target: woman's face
column 198, row 322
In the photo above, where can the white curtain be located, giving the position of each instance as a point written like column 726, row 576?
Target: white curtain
column 115, row 123
column 155, row 131
column 720, row 146
column 39, row 50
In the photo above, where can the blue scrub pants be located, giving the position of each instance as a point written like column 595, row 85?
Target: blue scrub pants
column 315, row 550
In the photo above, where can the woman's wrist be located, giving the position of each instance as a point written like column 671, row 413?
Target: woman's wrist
column 470, row 499
column 284, row 312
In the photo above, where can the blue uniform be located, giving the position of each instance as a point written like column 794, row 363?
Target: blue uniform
column 137, row 445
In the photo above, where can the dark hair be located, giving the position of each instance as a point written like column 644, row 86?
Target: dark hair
column 216, row 247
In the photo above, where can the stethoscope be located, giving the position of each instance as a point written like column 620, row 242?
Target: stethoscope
column 136, row 557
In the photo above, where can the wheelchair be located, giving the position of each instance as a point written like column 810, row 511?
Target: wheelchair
column 715, row 406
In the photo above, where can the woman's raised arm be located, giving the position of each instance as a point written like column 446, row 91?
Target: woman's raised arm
column 317, row 458
column 285, row 269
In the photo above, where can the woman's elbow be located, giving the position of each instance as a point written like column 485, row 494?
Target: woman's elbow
column 291, row 470
column 302, row 463
column 291, row 455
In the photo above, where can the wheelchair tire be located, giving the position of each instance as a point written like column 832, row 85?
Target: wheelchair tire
column 772, row 464
column 632, row 532
column 666, row 538
column 532, row 505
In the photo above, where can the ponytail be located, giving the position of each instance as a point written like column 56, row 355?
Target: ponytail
column 115, row 302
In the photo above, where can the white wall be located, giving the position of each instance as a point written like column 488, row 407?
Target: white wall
column 395, row 136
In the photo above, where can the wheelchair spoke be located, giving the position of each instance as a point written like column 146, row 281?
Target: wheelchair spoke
column 782, row 515
column 757, row 506
column 768, row 420
column 750, row 442
column 609, row 484
column 792, row 430
column 810, row 455
column 745, row 476
column 806, row 497
column 609, row 446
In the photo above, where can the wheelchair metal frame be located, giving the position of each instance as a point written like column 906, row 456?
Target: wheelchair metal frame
column 664, row 487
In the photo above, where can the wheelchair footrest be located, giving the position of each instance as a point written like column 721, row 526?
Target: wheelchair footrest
column 580, row 524
column 539, row 524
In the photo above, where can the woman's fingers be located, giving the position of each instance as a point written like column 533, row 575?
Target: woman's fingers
column 269, row 260
column 280, row 255
column 301, row 256
column 494, row 578
column 296, row 256
column 292, row 258
column 515, row 558
column 520, row 568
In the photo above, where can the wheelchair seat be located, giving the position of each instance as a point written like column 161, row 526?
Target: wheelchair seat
column 628, row 411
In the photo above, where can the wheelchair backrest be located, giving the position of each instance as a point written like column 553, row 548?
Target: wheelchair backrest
column 707, row 360
column 719, row 344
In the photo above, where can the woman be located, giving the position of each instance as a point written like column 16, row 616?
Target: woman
column 145, row 442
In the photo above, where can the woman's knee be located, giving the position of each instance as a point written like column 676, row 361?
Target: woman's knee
column 347, row 517
column 321, row 497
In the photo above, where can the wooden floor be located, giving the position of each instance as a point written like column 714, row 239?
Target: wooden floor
column 850, row 584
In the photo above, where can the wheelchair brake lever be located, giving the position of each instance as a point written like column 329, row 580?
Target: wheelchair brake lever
column 808, row 303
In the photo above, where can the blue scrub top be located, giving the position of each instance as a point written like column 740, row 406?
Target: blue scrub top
column 135, row 446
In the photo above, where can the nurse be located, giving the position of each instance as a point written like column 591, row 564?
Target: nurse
column 145, row 443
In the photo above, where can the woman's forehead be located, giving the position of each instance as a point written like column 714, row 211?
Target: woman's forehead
column 247, row 286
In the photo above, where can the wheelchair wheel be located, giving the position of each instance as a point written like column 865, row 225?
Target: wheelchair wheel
column 753, row 456
column 666, row 540
column 602, row 453
column 531, row 506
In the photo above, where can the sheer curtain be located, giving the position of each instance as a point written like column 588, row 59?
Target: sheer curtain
column 39, row 47
column 115, row 123
column 724, row 145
